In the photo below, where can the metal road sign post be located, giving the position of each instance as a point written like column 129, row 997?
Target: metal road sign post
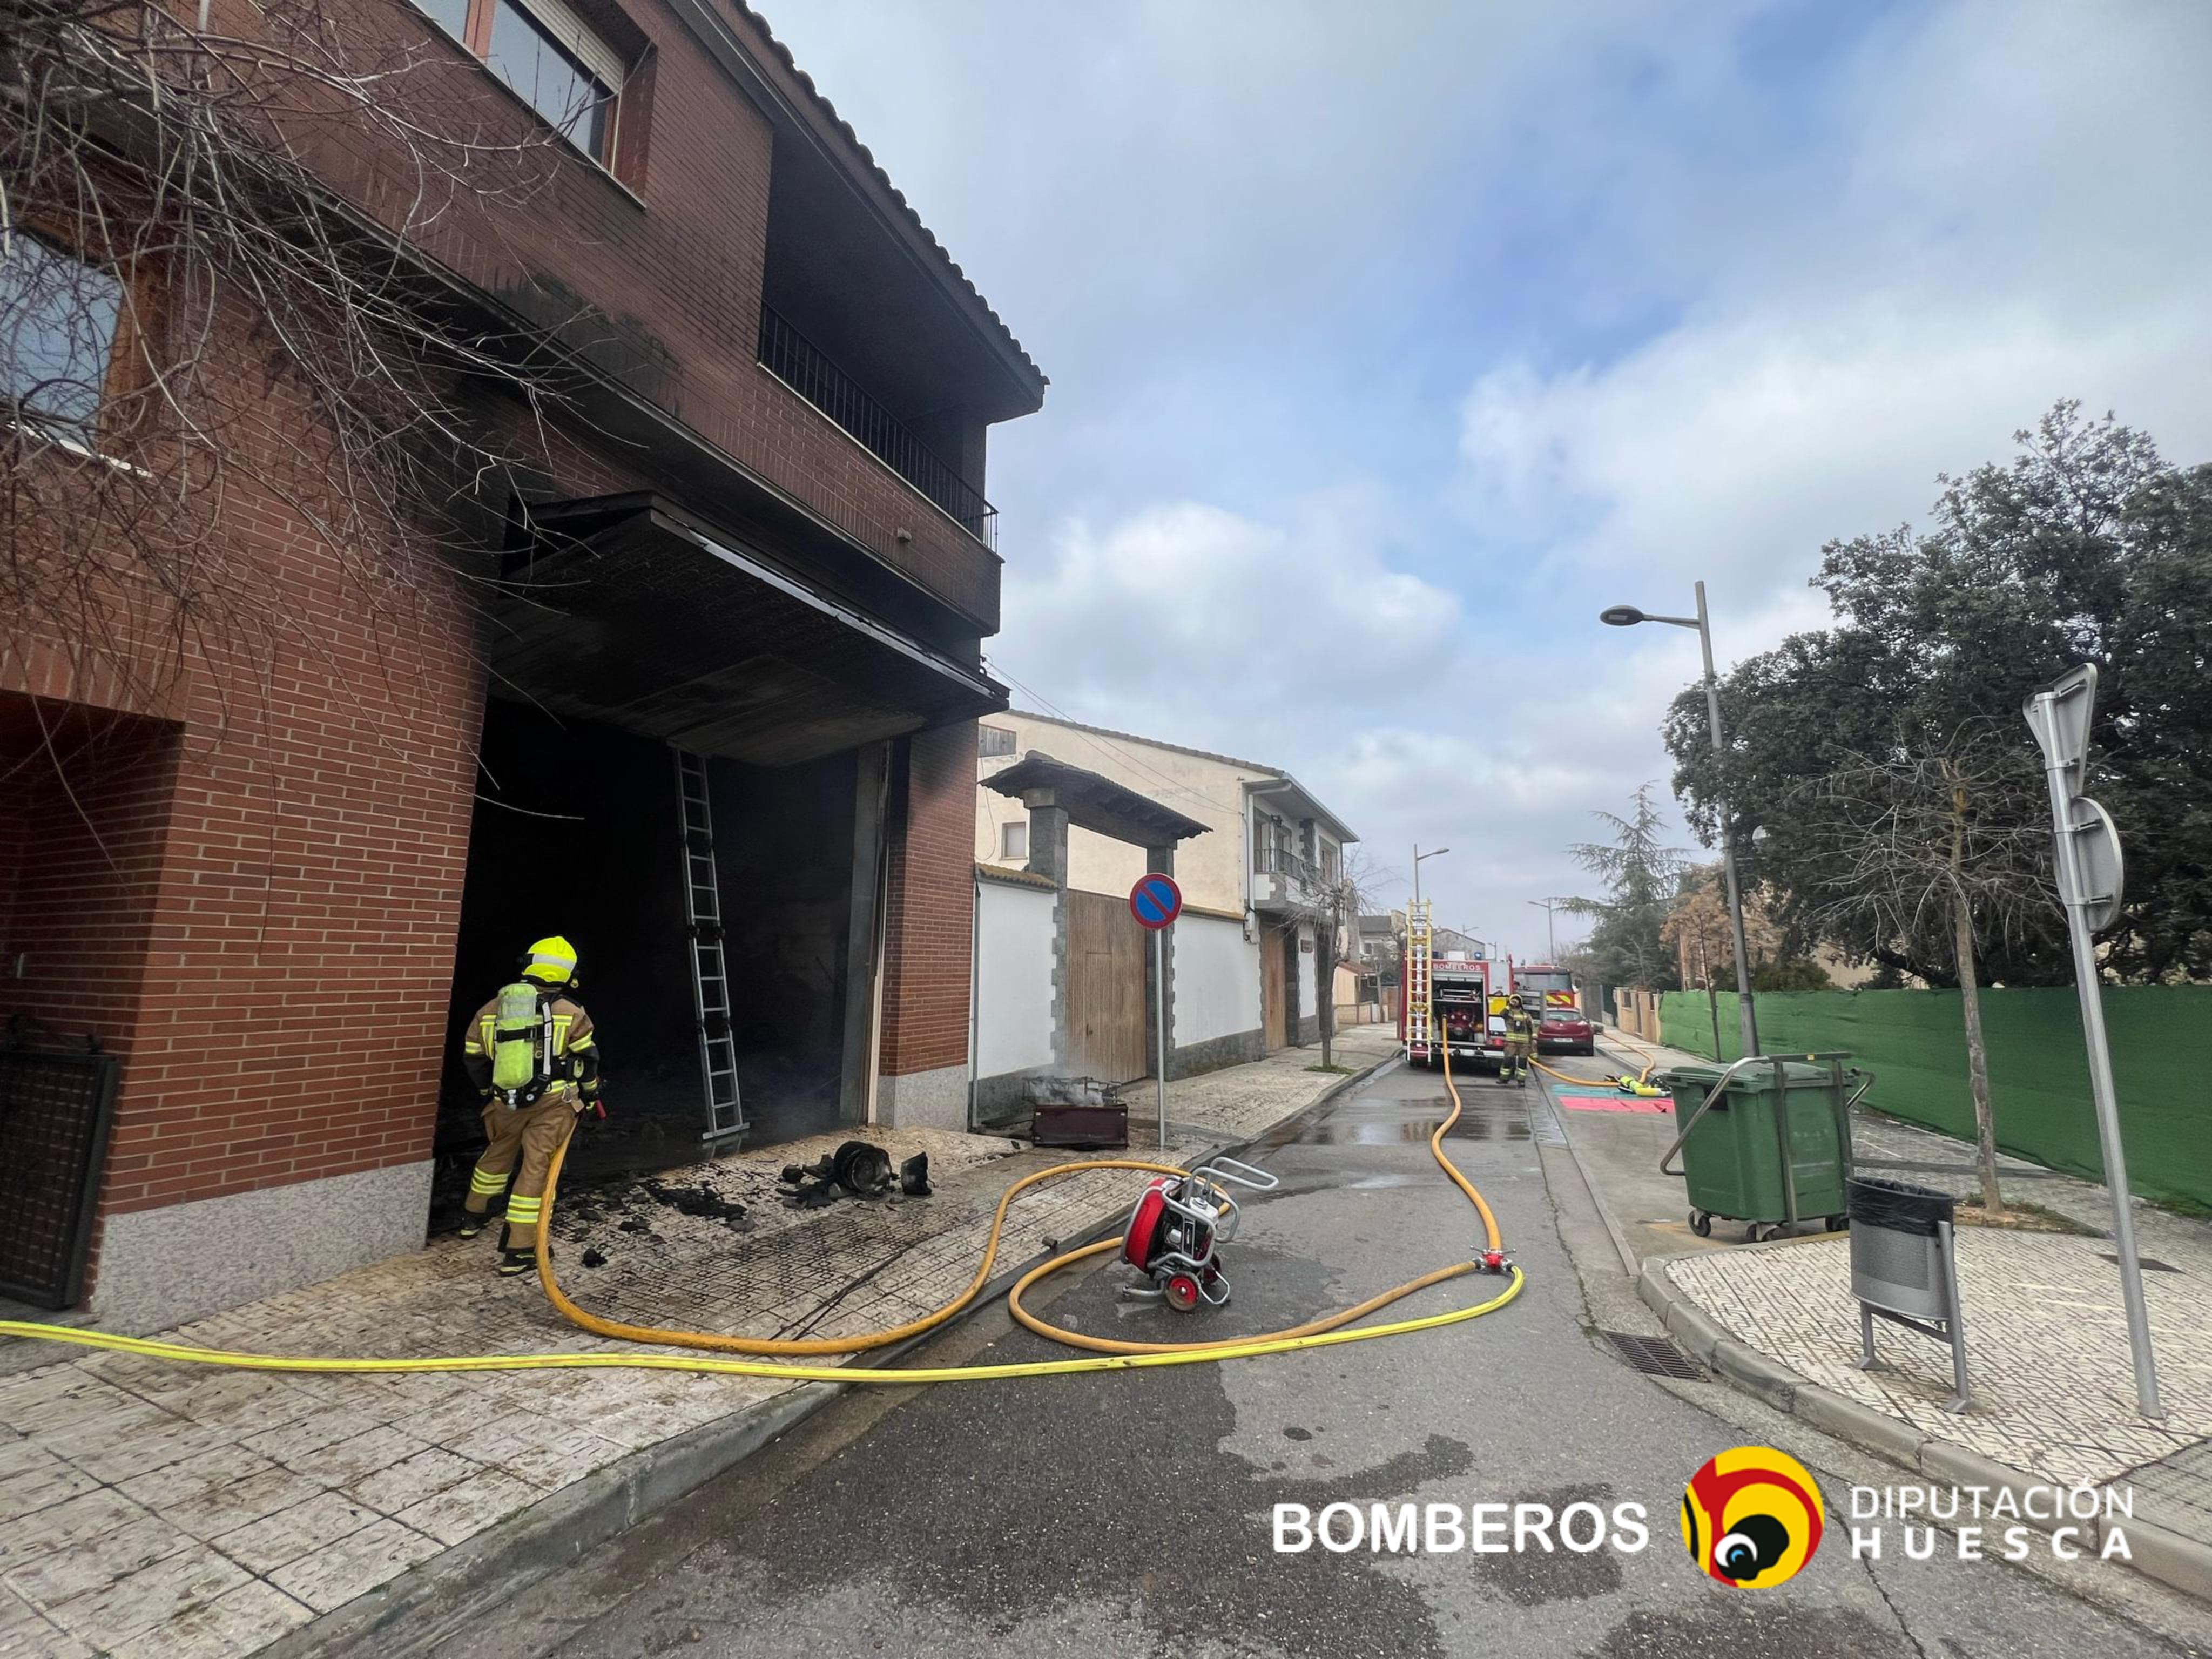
column 2091, row 874
column 1156, row 901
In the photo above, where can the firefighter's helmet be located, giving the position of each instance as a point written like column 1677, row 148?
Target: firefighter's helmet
column 550, row 962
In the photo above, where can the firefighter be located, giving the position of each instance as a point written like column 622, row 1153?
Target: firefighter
column 534, row 1059
column 1520, row 1039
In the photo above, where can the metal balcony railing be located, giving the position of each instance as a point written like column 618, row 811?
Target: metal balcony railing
column 802, row 366
column 1281, row 861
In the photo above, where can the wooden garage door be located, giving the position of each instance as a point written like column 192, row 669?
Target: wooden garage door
column 1105, row 989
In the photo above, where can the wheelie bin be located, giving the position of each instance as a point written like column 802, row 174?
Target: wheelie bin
column 1765, row 1141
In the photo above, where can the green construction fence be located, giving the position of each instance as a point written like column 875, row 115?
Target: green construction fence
column 1915, row 1043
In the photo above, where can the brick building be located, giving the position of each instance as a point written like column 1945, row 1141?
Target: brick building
column 270, row 878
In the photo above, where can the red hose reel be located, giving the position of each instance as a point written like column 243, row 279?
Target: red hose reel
column 1177, row 1228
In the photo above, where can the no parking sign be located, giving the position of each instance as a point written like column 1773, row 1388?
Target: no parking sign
column 1155, row 901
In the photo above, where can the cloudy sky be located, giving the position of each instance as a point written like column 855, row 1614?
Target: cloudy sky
column 1388, row 343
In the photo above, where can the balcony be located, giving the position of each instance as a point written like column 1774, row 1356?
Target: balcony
column 1283, row 880
column 799, row 364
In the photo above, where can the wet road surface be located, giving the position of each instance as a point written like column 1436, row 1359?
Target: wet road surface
column 1132, row 1512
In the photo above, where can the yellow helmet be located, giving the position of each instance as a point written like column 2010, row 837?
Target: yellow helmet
column 550, row 962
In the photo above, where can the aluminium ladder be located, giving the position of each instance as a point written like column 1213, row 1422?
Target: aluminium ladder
column 1418, row 1014
column 710, row 979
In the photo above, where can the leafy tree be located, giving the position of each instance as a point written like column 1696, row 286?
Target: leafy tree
column 1640, row 873
column 2086, row 548
column 1791, row 973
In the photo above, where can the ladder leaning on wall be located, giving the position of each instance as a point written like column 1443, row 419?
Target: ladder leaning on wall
column 710, row 978
column 1419, row 1011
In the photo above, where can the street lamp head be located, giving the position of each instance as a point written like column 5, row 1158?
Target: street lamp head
column 1621, row 616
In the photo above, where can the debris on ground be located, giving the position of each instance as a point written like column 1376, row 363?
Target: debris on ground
column 593, row 1259
column 702, row 1200
column 855, row 1169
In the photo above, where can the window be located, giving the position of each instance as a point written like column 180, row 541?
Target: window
column 555, row 61
column 1014, row 840
column 57, row 321
column 993, row 740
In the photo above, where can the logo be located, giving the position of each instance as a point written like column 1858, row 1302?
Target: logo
column 1752, row 1517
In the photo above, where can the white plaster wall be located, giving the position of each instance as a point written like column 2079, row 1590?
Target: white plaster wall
column 1013, row 978
column 1308, row 970
column 1217, row 979
column 1209, row 868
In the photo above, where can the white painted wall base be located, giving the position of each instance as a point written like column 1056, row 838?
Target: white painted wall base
column 924, row 1100
column 161, row 1267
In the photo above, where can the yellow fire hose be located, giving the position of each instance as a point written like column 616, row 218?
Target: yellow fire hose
column 1113, row 1356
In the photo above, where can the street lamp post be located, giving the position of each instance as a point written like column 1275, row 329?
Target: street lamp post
column 1627, row 616
column 1551, row 937
column 1417, row 856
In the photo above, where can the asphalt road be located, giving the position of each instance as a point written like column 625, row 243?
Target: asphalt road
column 1130, row 1513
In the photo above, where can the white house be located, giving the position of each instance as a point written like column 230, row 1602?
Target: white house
column 1080, row 812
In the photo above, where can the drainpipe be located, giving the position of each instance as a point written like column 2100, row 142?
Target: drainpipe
column 974, row 981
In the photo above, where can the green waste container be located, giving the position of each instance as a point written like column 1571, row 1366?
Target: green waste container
column 1734, row 1158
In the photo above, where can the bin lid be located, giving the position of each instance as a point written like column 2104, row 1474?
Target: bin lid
column 1752, row 1080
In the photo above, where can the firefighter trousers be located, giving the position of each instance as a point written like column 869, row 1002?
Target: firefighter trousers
column 1516, row 1057
column 530, row 1134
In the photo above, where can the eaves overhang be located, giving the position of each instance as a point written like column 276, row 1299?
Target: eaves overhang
column 1095, row 802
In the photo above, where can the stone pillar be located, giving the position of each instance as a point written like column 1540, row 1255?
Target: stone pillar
column 1049, row 857
column 1161, row 859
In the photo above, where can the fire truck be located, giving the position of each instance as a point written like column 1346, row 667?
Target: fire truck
column 1461, row 1001
column 1564, row 1026
column 1449, row 1000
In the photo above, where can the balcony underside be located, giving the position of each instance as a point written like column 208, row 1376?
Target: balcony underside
column 631, row 614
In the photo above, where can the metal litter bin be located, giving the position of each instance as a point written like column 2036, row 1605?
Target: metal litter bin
column 1904, row 1269
column 1765, row 1141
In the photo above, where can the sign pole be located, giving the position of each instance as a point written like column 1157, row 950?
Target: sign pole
column 1160, row 1004
column 1156, row 901
column 2060, row 771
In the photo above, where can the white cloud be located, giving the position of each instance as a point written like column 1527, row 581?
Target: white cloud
column 1209, row 617
column 1763, row 299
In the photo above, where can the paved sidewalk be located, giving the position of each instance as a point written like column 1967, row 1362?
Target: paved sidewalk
column 2047, row 1345
column 203, row 1513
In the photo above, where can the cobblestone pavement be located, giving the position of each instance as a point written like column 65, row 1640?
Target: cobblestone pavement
column 152, row 1509
column 2047, row 1342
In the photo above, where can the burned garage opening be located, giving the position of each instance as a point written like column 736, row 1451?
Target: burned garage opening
column 580, row 830
column 684, row 772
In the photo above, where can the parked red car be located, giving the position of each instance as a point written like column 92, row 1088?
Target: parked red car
column 1565, row 1031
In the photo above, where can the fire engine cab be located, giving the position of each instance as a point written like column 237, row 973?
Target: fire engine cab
column 1563, row 1026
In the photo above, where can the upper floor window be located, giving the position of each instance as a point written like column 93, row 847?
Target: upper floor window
column 993, row 740
column 553, row 58
column 1014, row 840
column 58, row 316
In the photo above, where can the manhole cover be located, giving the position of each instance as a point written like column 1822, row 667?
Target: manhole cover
column 1655, row 1356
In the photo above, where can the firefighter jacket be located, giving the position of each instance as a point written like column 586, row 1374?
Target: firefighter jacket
column 566, row 1052
column 1521, row 1023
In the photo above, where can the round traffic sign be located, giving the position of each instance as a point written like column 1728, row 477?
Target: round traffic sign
column 1155, row 901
